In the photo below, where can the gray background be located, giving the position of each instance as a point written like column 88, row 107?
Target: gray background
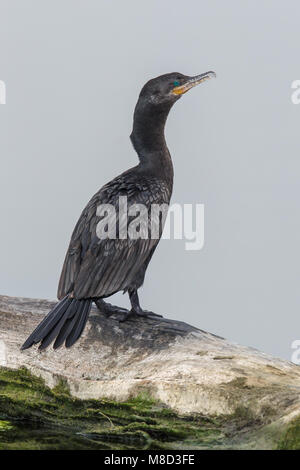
column 73, row 70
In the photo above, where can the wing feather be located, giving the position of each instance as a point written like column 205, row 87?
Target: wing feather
column 96, row 267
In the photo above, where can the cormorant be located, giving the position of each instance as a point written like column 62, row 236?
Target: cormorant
column 97, row 268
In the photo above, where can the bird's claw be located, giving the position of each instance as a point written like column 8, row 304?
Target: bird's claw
column 108, row 309
column 140, row 313
column 148, row 313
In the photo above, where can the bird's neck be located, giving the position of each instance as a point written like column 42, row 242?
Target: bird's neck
column 148, row 135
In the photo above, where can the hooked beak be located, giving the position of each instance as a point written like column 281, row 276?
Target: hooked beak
column 193, row 81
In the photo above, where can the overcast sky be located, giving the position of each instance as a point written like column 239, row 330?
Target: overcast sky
column 73, row 70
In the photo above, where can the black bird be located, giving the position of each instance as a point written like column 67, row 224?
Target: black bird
column 96, row 268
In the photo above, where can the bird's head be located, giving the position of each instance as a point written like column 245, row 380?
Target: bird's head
column 155, row 101
column 168, row 88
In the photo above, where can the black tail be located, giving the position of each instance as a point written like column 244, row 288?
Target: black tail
column 65, row 322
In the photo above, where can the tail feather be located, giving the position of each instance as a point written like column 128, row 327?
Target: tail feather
column 53, row 315
column 79, row 325
column 66, row 319
column 67, row 328
column 51, row 319
column 50, row 334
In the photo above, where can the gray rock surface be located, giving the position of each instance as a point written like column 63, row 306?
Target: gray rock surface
column 187, row 369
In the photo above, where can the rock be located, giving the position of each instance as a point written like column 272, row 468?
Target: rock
column 186, row 369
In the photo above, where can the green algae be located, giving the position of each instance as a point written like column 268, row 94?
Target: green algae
column 5, row 426
column 291, row 437
column 33, row 416
column 37, row 417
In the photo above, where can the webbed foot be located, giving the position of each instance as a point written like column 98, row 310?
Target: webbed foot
column 109, row 309
column 140, row 313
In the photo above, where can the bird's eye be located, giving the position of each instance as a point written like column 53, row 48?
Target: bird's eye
column 176, row 83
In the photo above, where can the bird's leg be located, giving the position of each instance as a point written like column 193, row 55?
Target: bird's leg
column 136, row 309
column 135, row 305
column 109, row 309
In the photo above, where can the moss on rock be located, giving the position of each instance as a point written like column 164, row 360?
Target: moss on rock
column 291, row 437
column 37, row 417
column 33, row 416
